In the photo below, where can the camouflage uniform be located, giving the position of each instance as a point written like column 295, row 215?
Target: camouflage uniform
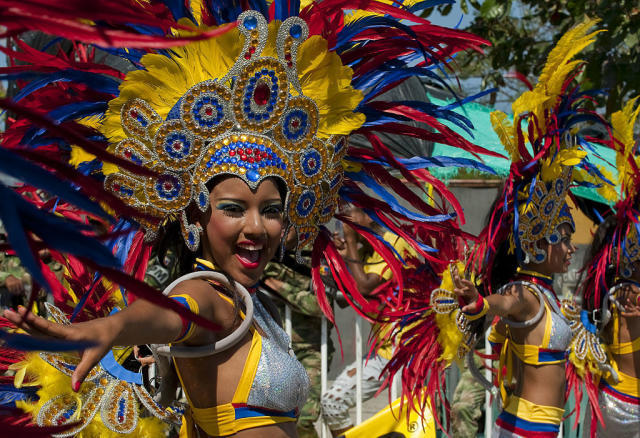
column 305, row 337
column 11, row 266
column 468, row 404
column 157, row 275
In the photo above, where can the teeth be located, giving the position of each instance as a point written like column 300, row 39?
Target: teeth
column 248, row 255
column 257, row 247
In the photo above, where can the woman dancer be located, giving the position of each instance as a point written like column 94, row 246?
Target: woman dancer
column 230, row 142
column 611, row 301
column 527, row 241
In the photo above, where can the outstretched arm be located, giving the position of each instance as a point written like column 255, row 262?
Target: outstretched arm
column 140, row 323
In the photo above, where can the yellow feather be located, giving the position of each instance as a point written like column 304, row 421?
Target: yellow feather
column 556, row 70
column 449, row 336
column 623, row 122
column 196, row 10
column 355, row 14
column 572, row 42
column 504, row 128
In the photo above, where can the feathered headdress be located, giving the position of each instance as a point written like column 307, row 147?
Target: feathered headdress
column 546, row 151
column 158, row 97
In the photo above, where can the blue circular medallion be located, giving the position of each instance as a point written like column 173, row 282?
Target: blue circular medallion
column 207, row 111
column 548, row 207
column 311, row 163
column 295, row 125
column 306, row 203
column 177, row 145
column 168, row 187
column 537, row 229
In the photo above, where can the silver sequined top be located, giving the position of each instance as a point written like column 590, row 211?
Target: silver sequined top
column 561, row 334
column 281, row 382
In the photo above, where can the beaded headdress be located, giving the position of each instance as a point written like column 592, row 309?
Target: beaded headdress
column 541, row 217
column 255, row 122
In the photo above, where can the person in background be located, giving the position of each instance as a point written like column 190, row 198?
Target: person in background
column 370, row 271
column 468, row 404
column 14, row 280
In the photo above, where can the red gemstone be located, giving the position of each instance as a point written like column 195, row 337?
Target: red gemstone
column 177, row 145
column 252, row 49
column 167, row 186
column 134, row 113
column 251, row 160
column 287, row 56
column 261, row 94
column 232, row 153
column 247, row 55
column 240, row 151
column 258, row 158
column 208, row 111
column 265, row 155
column 256, row 151
column 295, row 123
column 127, row 154
column 243, row 157
column 290, row 64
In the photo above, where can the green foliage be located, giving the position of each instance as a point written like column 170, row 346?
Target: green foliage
column 522, row 33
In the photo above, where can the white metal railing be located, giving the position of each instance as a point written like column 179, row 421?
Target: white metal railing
column 324, row 366
column 488, row 412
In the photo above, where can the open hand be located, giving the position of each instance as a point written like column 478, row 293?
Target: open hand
column 631, row 306
column 464, row 289
column 98, row 332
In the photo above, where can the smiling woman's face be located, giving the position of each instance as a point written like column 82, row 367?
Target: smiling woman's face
column 244, row 228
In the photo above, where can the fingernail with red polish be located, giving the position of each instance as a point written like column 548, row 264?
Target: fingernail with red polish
column 76, row 386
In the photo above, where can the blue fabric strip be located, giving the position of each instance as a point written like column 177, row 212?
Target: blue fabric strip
column 250, row 411
column 551, row 356
column 529, row 426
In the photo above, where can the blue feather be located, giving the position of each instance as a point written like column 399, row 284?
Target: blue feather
column 27, row 172
column 98, row 82
column 64, row 113
column 22, row 342
column 61, row 234
column 388, row 198
column 17, row 235
column 9, row 394
column 414, row 163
